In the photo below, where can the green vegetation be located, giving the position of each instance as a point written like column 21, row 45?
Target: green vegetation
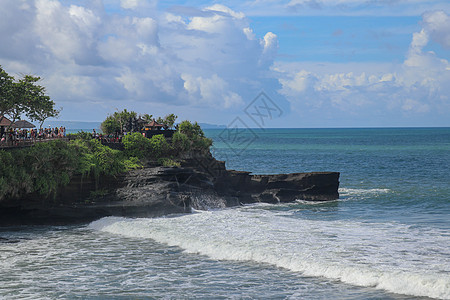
column 168, row 121
column 136, row 145
column 46, row 167
column 190, row 136
column 187, row 137
column 24, row 97
column 120, row 122
column 129, row 121
column 168, row 162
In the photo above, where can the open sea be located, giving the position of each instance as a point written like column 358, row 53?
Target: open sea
column 387, row 237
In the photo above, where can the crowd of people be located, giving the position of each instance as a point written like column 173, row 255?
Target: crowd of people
column 14, row 135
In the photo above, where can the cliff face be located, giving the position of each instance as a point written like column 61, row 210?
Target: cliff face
column 201, row 183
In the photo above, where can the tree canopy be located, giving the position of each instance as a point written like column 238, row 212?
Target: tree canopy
column 129, row 121
column 24, row 97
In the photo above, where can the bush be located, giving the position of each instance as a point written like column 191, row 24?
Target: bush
column 98, row 159
column 168, row 162
column 42, row 169
column 191, row 130
column 83, row 135
column 190, row 136
column 159, row 146
column 137, row 145
column 180, row 142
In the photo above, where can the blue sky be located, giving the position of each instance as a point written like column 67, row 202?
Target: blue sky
column 323, row 63
column 338, row 38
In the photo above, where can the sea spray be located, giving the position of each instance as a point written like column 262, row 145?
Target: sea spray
column 206, row 201
column 391, row 256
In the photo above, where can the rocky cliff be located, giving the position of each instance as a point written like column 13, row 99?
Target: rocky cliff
column 201, row 182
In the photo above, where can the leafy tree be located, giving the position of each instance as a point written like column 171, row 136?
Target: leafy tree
column 193, row 133
column 24, row 97
column 128, row 120
column 40, row 107
column 6, row 83
column 110, row 125
column 121, row 121
column 191, row 130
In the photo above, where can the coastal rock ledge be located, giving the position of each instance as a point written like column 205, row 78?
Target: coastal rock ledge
column 201, row 182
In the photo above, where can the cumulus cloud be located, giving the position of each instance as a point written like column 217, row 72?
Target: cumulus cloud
column 437, row 25
column 419, row 85
column 210, row 58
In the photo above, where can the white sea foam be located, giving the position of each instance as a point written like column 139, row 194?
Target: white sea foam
column 357, row 192
column 391, row 256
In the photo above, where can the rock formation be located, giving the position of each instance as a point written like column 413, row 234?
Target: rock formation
column 201, row 182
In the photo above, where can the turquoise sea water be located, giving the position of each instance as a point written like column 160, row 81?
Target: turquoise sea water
column 403, row 174
column 388, row 237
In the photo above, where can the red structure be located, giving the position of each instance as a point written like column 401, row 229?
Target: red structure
column 154, row 128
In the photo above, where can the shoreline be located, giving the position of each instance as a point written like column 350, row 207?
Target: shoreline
column 201, row 182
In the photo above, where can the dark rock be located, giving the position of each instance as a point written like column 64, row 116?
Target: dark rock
column 201, row 182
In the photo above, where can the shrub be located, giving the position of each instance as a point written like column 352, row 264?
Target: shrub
column 83, row 135
column 159, row 146
column 168, row 162
column 190, row 136
column 42, row 169
column 137, row 145
column 191, row 130
column 180, row 142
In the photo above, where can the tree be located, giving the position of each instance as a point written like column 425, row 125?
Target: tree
column 127, row 120
column 160, row 120
column 194, row 134
column 39, row 106
column 147, row 117
column 169, row 121
column 24, row 97
column 6, row 83
column 121, row 121
column 110, row 125
column 191, row 130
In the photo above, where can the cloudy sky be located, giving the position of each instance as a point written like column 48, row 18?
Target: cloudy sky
column 321, row 63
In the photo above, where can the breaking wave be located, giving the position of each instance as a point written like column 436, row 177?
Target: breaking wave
column 390, row 256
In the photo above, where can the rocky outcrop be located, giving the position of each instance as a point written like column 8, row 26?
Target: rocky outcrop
column 201, row 182
column 239, row 187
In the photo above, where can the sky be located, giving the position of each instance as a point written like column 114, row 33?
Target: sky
column 254, row 63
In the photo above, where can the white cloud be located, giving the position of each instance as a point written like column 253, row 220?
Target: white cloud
column 420, row 85
column 209, row 58
column 437, row 25
column 202, row 91
column 70, row 34
column 137, row 4
column 86, row 55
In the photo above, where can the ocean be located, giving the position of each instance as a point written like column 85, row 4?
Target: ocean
column 387, row 237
